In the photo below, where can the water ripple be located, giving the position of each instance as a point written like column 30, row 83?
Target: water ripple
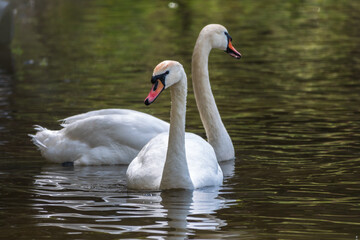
column 95, row 199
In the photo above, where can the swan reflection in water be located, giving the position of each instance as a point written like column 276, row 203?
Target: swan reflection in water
column 95, row 198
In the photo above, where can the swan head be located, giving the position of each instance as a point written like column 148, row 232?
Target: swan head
column 220, row 38
column 165, row 74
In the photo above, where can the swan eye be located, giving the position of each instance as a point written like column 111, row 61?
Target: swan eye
column 161, row 77
column 228, row 36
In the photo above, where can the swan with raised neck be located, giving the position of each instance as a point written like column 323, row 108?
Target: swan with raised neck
column 211, row 36
column 175, row 159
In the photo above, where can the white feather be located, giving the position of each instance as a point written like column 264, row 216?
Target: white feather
column 101, row 137
column 175, row 159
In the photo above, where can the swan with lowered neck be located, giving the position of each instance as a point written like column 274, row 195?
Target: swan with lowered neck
column 175, row 159
column 115, row 136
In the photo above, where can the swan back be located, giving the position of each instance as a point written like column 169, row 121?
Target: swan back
column 100, row 137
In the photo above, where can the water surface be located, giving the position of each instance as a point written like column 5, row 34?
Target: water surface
column 291, row 106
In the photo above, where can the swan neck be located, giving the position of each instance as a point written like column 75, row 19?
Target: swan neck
column 216, row 132
column 176, row 172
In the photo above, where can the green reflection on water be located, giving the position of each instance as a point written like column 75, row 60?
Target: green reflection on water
column 291, row 105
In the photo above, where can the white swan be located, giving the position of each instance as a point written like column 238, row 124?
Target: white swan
column 115, row 136
column 175, row 159
column 211, row 36
column 109, row 136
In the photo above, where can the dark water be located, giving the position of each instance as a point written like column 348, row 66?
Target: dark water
column 291, row 106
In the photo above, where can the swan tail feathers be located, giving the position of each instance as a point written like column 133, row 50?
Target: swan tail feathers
column 38, row 138
column 37, row 142
column 50, row 145
column 39, row 128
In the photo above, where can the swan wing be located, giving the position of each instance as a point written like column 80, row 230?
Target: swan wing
column 100, row 138
column 202, row 162
column 130, row 130
column 101, row 112
column 146, row 170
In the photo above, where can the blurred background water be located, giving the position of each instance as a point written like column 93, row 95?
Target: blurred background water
column 291, row 106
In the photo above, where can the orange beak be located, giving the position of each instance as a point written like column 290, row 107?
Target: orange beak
column 232, row 51
column 155, row 91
